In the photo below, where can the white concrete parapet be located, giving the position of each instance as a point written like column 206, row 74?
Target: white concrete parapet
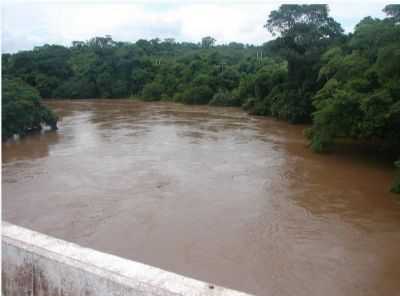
column 37, row 264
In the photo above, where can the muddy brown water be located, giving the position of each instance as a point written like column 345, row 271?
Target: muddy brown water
column 211, row 193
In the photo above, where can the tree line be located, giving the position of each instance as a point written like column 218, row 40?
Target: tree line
column 346, row 85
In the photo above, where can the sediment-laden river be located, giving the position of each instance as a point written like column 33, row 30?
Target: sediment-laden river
column 211, row 193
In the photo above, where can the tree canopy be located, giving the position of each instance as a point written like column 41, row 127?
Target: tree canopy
column 22, row 110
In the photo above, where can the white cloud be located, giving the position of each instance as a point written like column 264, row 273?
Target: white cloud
column 27, row 23
column 238, row 22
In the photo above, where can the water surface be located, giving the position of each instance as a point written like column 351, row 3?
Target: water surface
column 211, row 193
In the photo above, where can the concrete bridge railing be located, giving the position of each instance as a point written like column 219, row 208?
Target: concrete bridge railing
column 37, row 264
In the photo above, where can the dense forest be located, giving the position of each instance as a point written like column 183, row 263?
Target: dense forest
column 347, row 86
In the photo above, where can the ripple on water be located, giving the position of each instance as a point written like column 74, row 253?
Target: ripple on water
column 209, row 192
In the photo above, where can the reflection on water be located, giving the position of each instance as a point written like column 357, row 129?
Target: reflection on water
column 211, row 193
column 40, row 141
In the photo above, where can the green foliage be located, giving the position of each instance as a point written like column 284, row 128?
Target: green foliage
column 305, row 32
column 207, row 42
column 22, row 110
column 225, row 98
column 361, row 96
column 119, row 89
column 246, row 88
column 393, row 11
column 228, row 78
column 303, row 18
column 139, row 77
column 104, row 68
column 332, row 103
column 152, row 91
column 76, row 89
column 197, row 95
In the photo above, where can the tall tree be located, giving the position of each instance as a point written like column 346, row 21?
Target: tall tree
column 207, row 42
column 393, row 11
column 304, row 32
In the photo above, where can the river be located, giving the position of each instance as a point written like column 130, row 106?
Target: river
column 211, row 193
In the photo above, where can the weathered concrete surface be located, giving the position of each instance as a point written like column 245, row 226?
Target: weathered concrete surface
column 36, row 264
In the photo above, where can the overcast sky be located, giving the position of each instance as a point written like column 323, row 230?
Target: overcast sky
column 26, row 24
